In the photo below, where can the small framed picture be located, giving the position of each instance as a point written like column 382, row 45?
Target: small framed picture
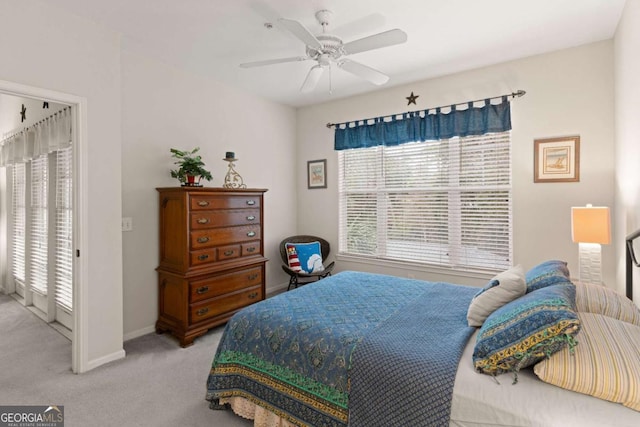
column 556, row 159
column 317, row 173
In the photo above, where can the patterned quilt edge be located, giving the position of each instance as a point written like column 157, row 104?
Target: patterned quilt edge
column 244, row 378
column 248, row 365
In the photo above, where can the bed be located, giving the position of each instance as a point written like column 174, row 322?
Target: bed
column 363, row 349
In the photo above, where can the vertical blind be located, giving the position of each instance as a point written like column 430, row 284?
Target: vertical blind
column 38, row 235
column 444, row 202
column 64, row 230
column 18, row 222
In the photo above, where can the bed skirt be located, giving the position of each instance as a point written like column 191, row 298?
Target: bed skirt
column 261, row 417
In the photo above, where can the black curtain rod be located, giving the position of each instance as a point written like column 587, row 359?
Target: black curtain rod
column 47, row 118
column 516, row 94
column 15, row 132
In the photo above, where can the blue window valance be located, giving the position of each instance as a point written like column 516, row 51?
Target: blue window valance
column 425, row 126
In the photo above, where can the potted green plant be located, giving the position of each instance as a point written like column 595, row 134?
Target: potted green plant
column 191, row 167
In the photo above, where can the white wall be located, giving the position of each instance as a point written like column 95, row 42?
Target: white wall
column 627, row 126
column 164, row 107
column 42, row 47
column 568, row 92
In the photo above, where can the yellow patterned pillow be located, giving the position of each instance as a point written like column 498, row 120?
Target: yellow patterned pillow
column 599, row 299
column 604, row 364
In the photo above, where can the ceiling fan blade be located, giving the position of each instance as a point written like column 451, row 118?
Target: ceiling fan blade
column 361, row 70
column 273, row 61
column 301, row 32
column 312, row 78
column 376, row 41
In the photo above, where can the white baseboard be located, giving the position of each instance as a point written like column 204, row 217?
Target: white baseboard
column 139, row 333
column 92, row 364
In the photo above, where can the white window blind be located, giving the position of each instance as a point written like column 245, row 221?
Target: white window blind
column 18, row 222
column 38, row 235
column 444, row 202
column 64, row 230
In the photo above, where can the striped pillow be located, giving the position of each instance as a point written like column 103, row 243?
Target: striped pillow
column 604, row 364
column 599, row 299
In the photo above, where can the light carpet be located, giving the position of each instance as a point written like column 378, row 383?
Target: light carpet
column 157, row 384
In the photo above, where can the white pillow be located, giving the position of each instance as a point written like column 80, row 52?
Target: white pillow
column 503, row 288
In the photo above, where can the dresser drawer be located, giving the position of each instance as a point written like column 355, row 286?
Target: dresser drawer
column 251, row 248
column 203, row 257
column 224, row 304
column 224, row 218
column 200, row 290
column 206, row 202
column 229, row 252
column 224, row 236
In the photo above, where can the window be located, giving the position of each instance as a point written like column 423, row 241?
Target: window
column 445, row 202
column 64, row 229
column 38, row 161
column 38, row 234
column 18, row 224
column 42, row 234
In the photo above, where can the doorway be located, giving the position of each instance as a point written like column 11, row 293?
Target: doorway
column 45, row 303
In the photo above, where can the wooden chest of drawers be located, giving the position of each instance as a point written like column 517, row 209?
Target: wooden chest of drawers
column 212, row 260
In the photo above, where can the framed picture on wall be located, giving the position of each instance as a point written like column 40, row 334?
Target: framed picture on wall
column 556, row 159
column 317, row 173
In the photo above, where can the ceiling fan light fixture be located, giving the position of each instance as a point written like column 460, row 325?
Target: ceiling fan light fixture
column 313, row 77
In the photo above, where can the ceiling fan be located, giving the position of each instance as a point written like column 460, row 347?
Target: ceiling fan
column 326, row 49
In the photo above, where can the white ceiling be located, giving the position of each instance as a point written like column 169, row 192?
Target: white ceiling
column 212, row 37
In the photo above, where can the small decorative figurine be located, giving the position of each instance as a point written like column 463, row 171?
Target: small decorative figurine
column 233, row 178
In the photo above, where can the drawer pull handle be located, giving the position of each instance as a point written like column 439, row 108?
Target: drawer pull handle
column 251, row 202
column 203, row 203
column 203, row 257
column 202, row 290
column 251, row 249
column 203, row 239
column 253, row 295
column 203, row 220
column 251, row 218
column 253, row 276
column 228, row 253
column 251, row 234
column 202, row 311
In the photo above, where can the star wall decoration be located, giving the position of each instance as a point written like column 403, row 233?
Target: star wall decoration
column 23, row 114
column 412, row 99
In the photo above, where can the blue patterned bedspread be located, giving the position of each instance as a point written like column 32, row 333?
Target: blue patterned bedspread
column 345, row 348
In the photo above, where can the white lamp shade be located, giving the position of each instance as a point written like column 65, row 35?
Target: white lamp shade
column 590, row 224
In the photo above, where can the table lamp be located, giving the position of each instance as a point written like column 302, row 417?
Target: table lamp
column 590, row 228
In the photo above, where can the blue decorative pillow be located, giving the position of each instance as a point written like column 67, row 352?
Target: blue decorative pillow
column 527, row 330
column 305, row 257
column 548, row 273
